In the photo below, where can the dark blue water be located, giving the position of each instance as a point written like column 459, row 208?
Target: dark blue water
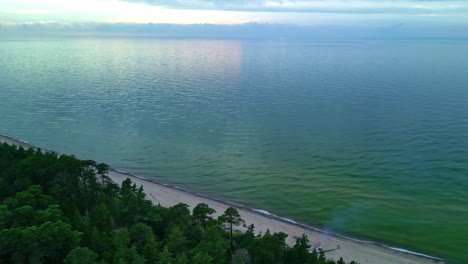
column 368, row 139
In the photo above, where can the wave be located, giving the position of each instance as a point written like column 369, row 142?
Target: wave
column 266, row 213
column 413, row 253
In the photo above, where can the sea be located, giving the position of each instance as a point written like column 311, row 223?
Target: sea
column 366, row 138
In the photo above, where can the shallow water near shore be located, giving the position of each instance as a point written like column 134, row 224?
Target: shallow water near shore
column 368, row 139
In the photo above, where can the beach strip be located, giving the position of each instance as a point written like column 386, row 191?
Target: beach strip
column 334, row 245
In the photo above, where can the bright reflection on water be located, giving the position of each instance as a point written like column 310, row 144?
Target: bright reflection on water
column 364, row 138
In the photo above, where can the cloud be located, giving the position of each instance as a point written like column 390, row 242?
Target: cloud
column 32, row 11
column 318, row 6
column 303, row 12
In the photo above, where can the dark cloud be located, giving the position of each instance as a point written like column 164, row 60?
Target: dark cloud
column 325, row 6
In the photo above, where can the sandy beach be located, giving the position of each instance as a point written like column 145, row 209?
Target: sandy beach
column 335, row 246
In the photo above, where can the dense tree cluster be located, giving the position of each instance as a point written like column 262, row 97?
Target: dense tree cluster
column 58, row 209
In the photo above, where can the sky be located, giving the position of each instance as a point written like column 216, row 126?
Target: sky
column 303, row 13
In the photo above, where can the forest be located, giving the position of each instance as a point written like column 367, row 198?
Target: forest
column 59, row 209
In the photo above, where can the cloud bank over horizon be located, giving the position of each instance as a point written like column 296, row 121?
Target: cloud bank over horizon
column 239, row 31
column 420, row 17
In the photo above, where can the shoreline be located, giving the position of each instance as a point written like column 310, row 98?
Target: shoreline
column 335, row 245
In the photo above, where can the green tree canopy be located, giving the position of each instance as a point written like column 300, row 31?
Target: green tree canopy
column 81, row 255
column 59, row 209
column 231, row 217
column 202, row 214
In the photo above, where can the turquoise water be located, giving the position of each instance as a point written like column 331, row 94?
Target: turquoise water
column 368, row 139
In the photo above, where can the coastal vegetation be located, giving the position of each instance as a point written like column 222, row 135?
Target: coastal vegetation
column 59, row 209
